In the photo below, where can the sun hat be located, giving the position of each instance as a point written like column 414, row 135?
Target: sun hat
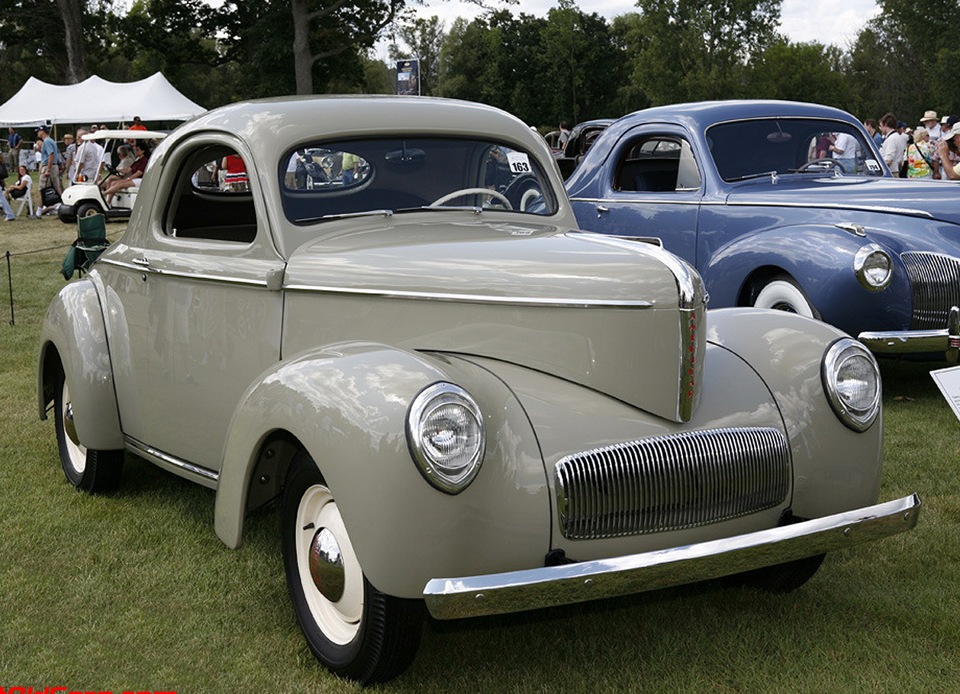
column 929, row 115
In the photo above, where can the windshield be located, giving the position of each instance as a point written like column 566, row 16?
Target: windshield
column 789, row 145
column 333, row 179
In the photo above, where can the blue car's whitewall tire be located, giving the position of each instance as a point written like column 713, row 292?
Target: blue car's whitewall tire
column 782, row 294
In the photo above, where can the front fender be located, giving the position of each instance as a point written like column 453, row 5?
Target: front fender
column 347, row 406
column 820, row 258
column 74, row 336
column 835, row 469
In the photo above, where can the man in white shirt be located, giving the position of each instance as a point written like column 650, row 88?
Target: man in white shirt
column 894, row 143
column 88, row 158
column 843, row 148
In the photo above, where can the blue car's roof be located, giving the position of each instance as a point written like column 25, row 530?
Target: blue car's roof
column 705, row 113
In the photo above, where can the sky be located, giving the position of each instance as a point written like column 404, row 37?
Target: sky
column 824, row 21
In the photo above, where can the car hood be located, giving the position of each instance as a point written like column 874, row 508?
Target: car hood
column 612, row 314
column 938, row 200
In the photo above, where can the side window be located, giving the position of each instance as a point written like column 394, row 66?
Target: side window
column 315, row 168
column 658, row 163
column 211, row 198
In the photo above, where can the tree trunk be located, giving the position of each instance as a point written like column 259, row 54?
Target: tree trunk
column 302, row 57
column 71, row 12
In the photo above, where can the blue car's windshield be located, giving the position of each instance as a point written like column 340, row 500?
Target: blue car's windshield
column 749, row 148
column 328, row 180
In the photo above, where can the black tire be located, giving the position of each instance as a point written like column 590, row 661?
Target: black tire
column 779, row 578
column 87, row 209
column 89, row 470
column 362, row 634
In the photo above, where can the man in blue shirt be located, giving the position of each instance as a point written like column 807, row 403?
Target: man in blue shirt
column 14, row 140
column 49, row 165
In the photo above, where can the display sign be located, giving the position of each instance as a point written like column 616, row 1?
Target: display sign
column 948, row 381
column 408, row 77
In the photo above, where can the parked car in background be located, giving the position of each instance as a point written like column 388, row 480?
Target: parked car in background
column 581, row 138
column 85, row 198
column 457, row 399
column 750, row 193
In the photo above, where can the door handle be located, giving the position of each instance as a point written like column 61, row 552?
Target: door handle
column 141, row 261
column 601, row 209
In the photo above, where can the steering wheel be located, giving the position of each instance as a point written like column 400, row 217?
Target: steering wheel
column 472, row 191
column 818, row 163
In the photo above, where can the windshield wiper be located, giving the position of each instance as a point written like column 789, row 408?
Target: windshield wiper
column 344, row 215
column 764, row 174
column 444, row 208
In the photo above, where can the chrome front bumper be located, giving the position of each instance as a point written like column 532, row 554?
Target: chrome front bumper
column 945, row 341
column 516, row 591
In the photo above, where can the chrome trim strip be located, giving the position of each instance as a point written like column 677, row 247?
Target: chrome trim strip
column 470, row 298
column 906, row 341
column 516, row 591
column 199, row 276
column 689, row 284
column 747, row 203
column 141, row 447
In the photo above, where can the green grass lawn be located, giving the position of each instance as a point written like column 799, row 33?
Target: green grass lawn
column 135, row 591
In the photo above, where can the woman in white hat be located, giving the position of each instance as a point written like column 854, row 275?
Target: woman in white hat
column 948, row 149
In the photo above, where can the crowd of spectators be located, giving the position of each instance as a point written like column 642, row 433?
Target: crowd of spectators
column 930, row 150
column 77, row 161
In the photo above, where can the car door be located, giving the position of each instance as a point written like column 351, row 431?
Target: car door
column 650, row 187
column 197, row 310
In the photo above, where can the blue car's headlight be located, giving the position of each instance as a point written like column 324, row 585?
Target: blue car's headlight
column 873, row 267
column 446, row 436
column 851, row 380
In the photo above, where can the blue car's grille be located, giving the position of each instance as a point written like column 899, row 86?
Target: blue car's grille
column 671, row 482
column 936, row 287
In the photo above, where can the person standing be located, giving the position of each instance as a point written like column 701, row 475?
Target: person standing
column 70, row 157
column 843, row 149
column 88, row 158
column 931, row 122
column 894, row 143
column 15, row 142
column 871, row 126
column 49, row 167
column 919, row 155
column 949, row 146
column 137, row 124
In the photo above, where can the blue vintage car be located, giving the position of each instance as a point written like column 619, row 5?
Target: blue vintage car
column 759, row 198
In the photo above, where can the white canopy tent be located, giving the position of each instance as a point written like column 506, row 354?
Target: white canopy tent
column 96, row 100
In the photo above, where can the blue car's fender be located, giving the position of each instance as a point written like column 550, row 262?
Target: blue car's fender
column 819, row 258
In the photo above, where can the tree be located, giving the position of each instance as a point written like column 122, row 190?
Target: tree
column 799, row 72
column 421, row 39
column 71, row 12
column 327, row 28
column 699, row 49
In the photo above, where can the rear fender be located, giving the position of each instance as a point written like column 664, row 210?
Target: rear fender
column 74, row 338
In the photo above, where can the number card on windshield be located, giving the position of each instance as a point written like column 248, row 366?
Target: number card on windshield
column 519, row 162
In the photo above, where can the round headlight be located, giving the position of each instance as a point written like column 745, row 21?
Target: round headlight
column 446, row 436
column 873, row 267
column 851, row 380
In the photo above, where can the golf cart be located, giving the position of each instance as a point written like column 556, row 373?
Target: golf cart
column 84, row 198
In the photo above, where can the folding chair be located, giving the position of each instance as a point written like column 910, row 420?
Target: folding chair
column 91, row 242
column 26, row 200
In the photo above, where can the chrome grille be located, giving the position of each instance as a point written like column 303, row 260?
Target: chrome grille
column 671, row 482
column 936, row 287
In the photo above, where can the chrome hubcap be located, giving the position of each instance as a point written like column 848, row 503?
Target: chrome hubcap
column 68, row 425
column 326, row 565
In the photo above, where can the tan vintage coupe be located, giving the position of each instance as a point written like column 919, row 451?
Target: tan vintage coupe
column 463, row 404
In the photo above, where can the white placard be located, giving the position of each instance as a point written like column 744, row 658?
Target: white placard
column 519, row 163
column 948, row 381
